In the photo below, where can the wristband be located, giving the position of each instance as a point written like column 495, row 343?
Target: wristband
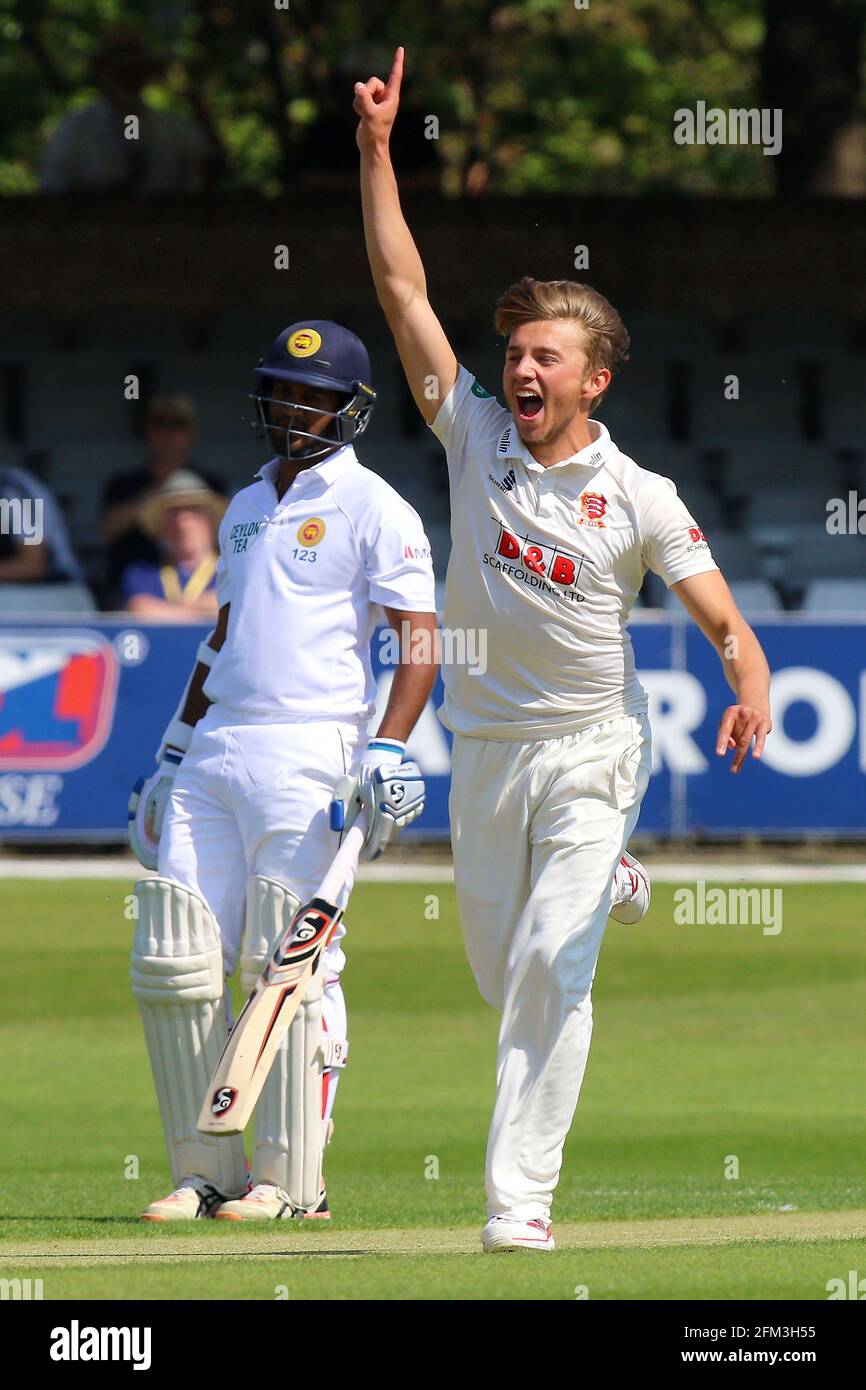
column 206, row 656
column 387, row 745
column 177, row 736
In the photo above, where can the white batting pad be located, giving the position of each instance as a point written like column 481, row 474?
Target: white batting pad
column 177, row 978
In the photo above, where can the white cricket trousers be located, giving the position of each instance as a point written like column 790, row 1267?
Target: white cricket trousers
column 538, row 829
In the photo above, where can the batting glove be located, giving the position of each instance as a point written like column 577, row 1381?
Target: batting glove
column 145, row 812
column 391, row 790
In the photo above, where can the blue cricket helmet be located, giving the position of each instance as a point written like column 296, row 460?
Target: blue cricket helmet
column 316, row 352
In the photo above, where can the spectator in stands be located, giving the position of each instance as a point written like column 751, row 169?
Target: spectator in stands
column 169, row 436
column 34, row 542
column 182, row 517
column 92, row 149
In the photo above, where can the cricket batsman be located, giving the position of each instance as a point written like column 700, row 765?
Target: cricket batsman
column 271, row 730
column 553, row 530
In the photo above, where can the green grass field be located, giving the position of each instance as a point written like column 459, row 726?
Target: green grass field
column 712, row 1044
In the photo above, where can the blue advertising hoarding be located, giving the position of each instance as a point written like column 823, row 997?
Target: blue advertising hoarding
column 83, row 706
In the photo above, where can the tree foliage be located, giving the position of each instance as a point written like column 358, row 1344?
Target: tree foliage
column 530, row 96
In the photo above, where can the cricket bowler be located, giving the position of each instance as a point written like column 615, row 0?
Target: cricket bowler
column 270, row 733
column 553, row 530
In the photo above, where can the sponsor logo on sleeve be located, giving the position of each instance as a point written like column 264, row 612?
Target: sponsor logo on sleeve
column 480, row 392
column 697, row 539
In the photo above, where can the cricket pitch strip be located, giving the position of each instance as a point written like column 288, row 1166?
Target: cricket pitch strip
column 305, row 1244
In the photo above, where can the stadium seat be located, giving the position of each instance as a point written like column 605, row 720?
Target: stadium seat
column 815, row 554
column 769, row 400
column 77, row 474
column 735, row 555
column 46, row 599
column 134, row 333
column 755, row 596
column 703, row 504
column 846, row 400
column 751, row 596
column 813, row 333
column 636, row 408
column 768, row 460
column 658, row 333
column 682, row 462
column 836, row 596
column 75, row 395
column 790, row 504
column 219, row 386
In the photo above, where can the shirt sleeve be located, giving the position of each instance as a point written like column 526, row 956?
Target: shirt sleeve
column 397, row 557
column 673, row 544
column 222, row 578
column 467, row 412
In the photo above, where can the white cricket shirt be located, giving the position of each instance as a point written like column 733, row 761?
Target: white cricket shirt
column 305, row 578
column 549, row 561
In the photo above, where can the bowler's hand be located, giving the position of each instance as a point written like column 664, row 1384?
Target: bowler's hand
column 376, row 102
column 738, row 726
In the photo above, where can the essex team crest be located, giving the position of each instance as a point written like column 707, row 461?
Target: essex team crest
column 310, row 532
column 593, row 507
column 304, row 342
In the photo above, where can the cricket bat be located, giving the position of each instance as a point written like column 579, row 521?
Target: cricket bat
column 248, row 1055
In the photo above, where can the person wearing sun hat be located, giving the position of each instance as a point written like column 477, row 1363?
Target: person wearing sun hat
column 182, row 516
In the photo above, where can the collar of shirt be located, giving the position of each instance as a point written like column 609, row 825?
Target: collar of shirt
column 593, row 455
column 328, row 471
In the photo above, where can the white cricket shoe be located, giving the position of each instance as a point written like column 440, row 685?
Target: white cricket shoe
column 511, row 1233
column 631, row 890
column 194, row 1197
column 267, row 1202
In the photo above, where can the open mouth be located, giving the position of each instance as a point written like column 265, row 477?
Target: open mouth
column 529, row 404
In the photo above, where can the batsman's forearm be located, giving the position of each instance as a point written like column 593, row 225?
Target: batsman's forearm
column 409, row 695
column 196, row 704
column 413, row 679
column 397, row 269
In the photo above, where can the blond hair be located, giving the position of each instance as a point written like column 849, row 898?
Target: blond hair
column 606, row 338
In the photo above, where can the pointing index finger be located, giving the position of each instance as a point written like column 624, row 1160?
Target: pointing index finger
column 396, row 76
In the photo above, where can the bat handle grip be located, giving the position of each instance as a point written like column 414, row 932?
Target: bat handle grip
column 345, row 861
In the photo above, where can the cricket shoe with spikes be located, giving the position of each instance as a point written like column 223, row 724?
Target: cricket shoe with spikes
column 267, row 1202
column 512, row 1233
column 631, row 890
column 193, row 1198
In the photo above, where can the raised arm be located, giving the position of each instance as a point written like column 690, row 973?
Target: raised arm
column 708, row 600
column 427, row 357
